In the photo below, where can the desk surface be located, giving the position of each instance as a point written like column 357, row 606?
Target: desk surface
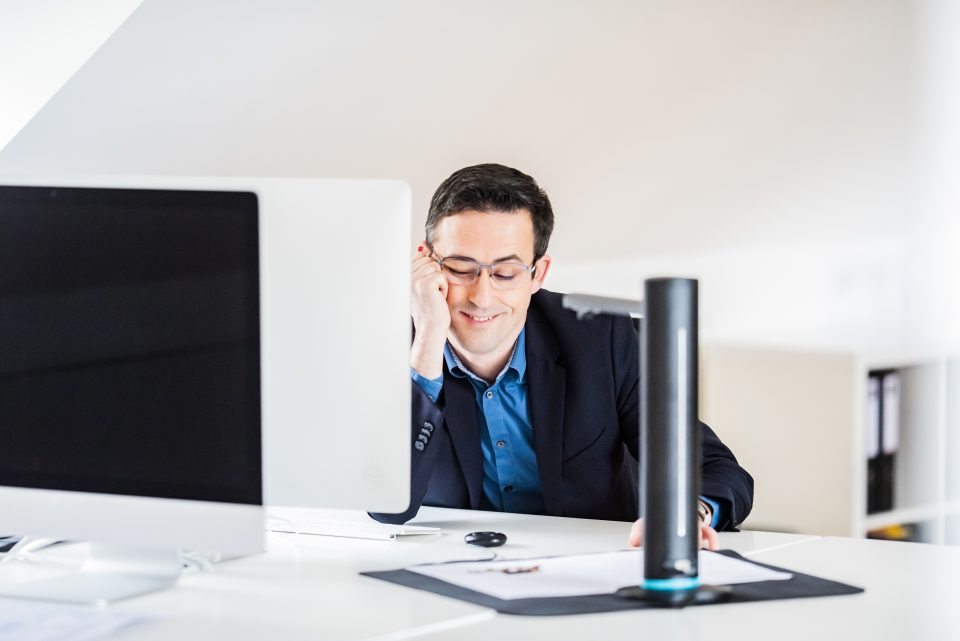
column 308, row 587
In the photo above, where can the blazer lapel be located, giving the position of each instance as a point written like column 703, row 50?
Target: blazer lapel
column 545, row 389
column 461, row 421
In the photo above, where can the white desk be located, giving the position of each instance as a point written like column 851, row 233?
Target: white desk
column 309, row 588
column 912, row 593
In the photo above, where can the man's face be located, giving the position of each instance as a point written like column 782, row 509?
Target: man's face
column 485, row 321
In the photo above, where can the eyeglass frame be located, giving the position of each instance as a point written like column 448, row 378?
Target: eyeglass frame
column 531, row 269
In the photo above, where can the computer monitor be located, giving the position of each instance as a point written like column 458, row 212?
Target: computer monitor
column 131, row 366
column 129, row 377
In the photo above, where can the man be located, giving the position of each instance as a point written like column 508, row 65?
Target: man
column 517, row 405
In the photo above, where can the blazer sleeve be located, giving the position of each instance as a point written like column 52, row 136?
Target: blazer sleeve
column 427, row 430
column 722, row 478
column 724, row 481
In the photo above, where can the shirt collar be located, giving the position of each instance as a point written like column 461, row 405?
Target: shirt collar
column 517, row 361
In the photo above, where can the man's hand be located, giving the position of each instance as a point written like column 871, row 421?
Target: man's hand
column 709, row 539
column 431, row 316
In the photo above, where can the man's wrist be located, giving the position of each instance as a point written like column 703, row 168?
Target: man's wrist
column 430, row 387
column 704, row 512
column 427, row 359
column 714, row 511
column 429, row 372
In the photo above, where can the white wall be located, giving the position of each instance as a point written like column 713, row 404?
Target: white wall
column 790, row 153
column 42, row 44
column 889, row 295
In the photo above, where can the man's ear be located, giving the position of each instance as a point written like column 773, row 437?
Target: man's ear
column 543, row 266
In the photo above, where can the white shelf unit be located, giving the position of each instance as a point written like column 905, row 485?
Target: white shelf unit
column 795, row 420
column 951, row 452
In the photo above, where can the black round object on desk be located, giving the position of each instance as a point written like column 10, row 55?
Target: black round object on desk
column 485, row 539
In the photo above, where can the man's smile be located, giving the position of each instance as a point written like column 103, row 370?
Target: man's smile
column 480, row 319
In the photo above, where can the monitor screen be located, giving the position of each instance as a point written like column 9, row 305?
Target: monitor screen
column 129, row 342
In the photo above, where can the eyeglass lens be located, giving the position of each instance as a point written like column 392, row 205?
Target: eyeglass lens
column 465, row 272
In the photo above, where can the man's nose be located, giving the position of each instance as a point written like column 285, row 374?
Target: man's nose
column 481, row 290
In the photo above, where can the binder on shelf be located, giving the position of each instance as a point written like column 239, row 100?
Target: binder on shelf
column 882, row 424
column 912, row 532
column 891, row 413
column 872, row 441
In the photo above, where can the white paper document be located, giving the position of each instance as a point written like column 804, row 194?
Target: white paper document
column 580, row 575
column 353, row 529
column 34, row 621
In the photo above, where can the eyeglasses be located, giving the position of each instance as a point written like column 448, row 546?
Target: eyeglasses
column 466, row 271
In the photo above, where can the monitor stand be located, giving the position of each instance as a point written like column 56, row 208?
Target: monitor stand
column 110, row 573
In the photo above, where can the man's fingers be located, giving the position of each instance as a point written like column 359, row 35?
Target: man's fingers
column 426, row 268
column 419, row 261
column 422, row 256
column 636, row 534
column 431, row 278
column 709, row 539
column 427, row 275
column 425, row 271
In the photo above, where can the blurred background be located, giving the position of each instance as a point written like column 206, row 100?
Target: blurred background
column 799, row 157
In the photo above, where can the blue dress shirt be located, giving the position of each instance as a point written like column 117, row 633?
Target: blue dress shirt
column 511, row 480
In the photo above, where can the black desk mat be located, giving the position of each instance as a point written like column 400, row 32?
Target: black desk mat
column 797, row 587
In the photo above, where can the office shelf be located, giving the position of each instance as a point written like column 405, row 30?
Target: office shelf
column 898, row 517
column 795, row 419
column 952, row 507
column 952, row 529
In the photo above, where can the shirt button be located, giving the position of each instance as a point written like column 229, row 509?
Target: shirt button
column 419, row 445
column 509, row 488
column 427, row 425
column 501, row 444
column 489, row 394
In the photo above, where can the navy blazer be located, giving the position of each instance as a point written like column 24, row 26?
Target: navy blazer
column 583, row 393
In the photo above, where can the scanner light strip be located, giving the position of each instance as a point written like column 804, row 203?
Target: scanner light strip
column 682, row 431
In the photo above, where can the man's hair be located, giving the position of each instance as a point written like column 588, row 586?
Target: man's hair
column 493, row 188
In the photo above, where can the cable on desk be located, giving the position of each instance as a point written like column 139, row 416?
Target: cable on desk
column 194, row 561
column 7, row 541
column 273, row 520
column 25, row 550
